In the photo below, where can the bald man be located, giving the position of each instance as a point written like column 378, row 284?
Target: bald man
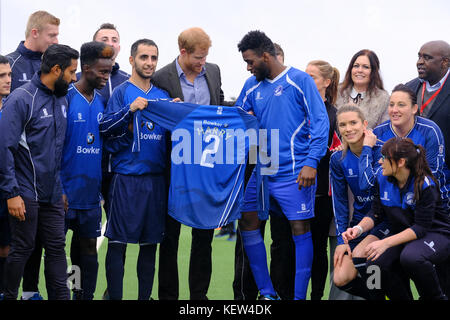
column 433, row 98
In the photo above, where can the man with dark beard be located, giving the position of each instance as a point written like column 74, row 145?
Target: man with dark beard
column 138, row 194
column 33, row 126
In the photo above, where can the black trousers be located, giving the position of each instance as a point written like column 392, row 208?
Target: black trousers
column 200, row 264
column 417, row 260
column 46, row 221
column 320, row 228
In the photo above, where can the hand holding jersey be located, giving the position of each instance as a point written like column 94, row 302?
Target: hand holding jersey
column 139, row 103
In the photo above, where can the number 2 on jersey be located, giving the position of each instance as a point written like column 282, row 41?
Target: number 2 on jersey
column 209, row 151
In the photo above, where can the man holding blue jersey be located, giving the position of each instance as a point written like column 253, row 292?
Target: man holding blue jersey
column 193, row 80
column 286, row 102
column 83, row 145
column 138, row 194
column 33, row 126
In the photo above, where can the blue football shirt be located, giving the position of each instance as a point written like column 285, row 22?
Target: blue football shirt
column 290, row 108
column 426, row 133
column 210, row 146
column 147, row 153
column 81, row 171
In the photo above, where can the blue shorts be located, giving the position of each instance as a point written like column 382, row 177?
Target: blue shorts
column 86, row 223
column 295, row 204
column 138, row 206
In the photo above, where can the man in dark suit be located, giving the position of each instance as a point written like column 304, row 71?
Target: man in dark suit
column 433, row 98
column 190, row 78
column 433, row 68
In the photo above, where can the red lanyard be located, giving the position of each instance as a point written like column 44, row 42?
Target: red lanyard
column 424, row 105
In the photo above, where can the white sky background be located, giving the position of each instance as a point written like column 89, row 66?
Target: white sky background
column 306, row 29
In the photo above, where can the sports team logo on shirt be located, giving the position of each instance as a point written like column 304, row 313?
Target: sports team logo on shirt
column 150, row 126
column 279, row 91
column 64, row 110
column 99, row 117
column 410, row 198
column 90, row 138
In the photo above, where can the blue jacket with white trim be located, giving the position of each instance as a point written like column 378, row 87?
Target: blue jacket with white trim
column 426, row 133
column 403, row 211
column 33, row 126
column 24, row 64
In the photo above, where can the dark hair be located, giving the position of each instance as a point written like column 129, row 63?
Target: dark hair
column 3, row 60
column 90, row 52
column 58, row 54
column 415, row 156
column 258, row 42
column 375, row 77
column 278, row 50
column 108, row 26
column 146, row 42
column 403, row 88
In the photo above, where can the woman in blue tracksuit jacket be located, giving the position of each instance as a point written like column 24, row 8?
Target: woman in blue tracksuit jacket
column 33, row 128
column 408, row 195
column 349, row 257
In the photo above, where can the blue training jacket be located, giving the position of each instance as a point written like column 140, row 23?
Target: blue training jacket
column 426, row 133
column 24, row 64
column 33, row 126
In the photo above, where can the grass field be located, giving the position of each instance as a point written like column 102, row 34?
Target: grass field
column 222, row 274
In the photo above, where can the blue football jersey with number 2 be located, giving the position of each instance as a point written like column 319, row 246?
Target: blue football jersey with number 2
column 210, row 146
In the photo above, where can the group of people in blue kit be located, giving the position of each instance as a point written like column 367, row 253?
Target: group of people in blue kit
column 73, row 143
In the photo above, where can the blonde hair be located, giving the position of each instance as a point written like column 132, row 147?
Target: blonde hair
column 193, row 38
column 38, row 20
column 344, row 109
column 328, row 72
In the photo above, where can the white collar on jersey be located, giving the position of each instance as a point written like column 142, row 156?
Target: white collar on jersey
column 279, row 76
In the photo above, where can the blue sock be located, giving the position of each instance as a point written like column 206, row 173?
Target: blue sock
column 257, row 257
column 89, row 271
column 303, row 264
column 114, row 269
column 146, row 270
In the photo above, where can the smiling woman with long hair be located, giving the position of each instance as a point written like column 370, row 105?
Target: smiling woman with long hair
column 350, row 256
column 363, row 87
column 407, row 194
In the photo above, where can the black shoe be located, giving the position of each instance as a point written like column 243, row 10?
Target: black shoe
column 77, row 294
column 268, row 297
